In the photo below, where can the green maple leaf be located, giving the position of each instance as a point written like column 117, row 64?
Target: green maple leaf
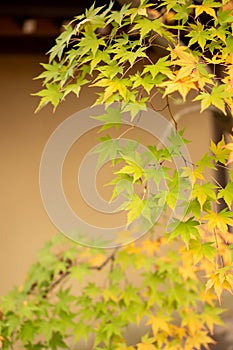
column 220, row 152
column 133, row 169
column 146, row 82
column 206, row 161
column 28, row 331
column 124, row 54
column 202, row 250
column 186, row 229
column 160, row 67
column 182, row 12
column 134, row 207
column 199, row 35
column 145, row 26
column 107, row 149
column 227, row 194
column 215, row 98
column 135, row 106
column 90, row 42
column 210, row 316
column 112, row 118
column 51, row 94
column 57, row 342
column 51, row 72
column 61, row 42
column 204, row 192
column 100, row 56
column 111, row 70
column 75, row 88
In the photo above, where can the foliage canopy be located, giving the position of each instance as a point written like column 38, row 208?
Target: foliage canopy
column 132, row 54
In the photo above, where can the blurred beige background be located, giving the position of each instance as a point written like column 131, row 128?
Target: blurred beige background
column 24, row 224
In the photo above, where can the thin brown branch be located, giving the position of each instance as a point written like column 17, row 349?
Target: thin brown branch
column 125, row 132
column 157, row 110
column 171, row 113
column 219, row 259
column 111, row 257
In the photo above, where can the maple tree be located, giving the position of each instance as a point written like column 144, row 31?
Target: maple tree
column 184, row 270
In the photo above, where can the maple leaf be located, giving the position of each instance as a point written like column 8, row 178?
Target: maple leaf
column 200, row 339
column 100, row 56
column 150, row 246
column 216, row 98
column 51, row 94
column 207, row 6
column 147, row 82
column 228, row 79
column 227, row 194
column 97, row 260
column 182, row 85
column 220, row 280
column 229, row 146
column 160, row 67
column 182, row 55
column 182, row 79
column 198, row 34
column 145, row 26
column 135, row 207
column 107, row 149
column 186, row 229
column 220, row 151
column 132, row 168
column 219, row 220
column 111, row 86
column 202, row 250
column 112, row 118
column 211, row 317
column 146, row 343
column 160, row 322
column 204, row 192
column 61, row 42
column 191, row 320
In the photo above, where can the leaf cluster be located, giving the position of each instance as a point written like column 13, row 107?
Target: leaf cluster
column 103, row 48
column 178, row 272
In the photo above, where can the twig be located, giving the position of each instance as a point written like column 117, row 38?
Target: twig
column 171, row 113
column 125, row 132
column 219, row 256
column 111, row 257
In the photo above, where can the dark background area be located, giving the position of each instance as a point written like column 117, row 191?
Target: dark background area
column 31, row 27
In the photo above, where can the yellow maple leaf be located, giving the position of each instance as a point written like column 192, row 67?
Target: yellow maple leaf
column 200, row 339
column 230, row 147
column 182, row 56
column 183, row 86
column 160, row 322
column 191, row 320
column 220, row 280
column 208, row 297
column 151, row 246
column 218, row 220
column 199, row 9
column 110, row 295
column 111, row 86
column 97, row 260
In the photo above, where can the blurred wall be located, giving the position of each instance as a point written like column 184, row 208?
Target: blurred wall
column 24, row 224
